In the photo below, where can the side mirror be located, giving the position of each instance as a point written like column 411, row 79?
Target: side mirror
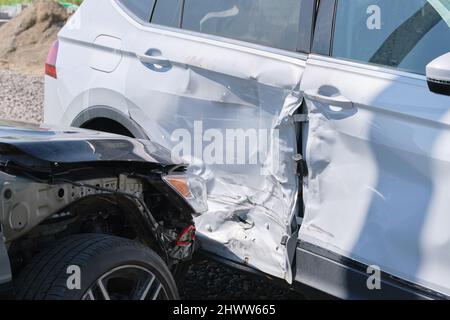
column 438, row 75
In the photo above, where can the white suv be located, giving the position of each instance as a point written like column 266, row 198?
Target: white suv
column 322, row 127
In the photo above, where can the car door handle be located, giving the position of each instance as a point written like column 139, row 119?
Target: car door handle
column 337, row 100
column 154, row 60
column 160, row 60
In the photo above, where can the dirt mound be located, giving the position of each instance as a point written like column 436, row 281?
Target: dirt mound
column 26, row 39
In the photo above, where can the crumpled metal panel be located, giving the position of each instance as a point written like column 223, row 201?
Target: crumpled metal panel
column 250, row 205
column 195, row 103
column 172, row 82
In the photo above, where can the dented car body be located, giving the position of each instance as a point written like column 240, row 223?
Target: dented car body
column 58, row 182
column 318, row 164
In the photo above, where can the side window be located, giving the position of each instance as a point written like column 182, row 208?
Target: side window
column 167, row 13
column 140, row 8
column 266, row 22
column 307, row 15
column 403, row 34
column 324, row 27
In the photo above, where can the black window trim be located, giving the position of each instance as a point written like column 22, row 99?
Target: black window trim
column 333, row 28
column 316, row 26
column 153, row 11
column 180, row 18
column 180, row 25
column 309, row 26
column 132, row 14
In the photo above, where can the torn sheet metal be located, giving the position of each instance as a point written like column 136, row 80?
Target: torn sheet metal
column 251, row 207
column 230, row 101
column 233, row 122
column 252, row 197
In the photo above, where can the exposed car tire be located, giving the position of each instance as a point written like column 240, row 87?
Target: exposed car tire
column 109, row 268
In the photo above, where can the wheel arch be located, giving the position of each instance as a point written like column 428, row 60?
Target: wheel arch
column 123, row 219
column 107, row 113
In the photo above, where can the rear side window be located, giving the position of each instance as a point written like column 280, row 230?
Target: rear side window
column 402, row 34
column 140, row 8
column 167, row 13
column 324, row 27
column 266, row 22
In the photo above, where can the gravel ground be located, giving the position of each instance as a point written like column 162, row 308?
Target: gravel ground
column 22, row 97
column 208, row 280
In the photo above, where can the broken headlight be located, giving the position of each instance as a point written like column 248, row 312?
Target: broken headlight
column 192, row 188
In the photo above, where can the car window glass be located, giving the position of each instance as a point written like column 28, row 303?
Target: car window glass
column 403, row 34
column 324, row 27
column 140, row 8
column 167, row 13
column 265, row 22
column 307, row 15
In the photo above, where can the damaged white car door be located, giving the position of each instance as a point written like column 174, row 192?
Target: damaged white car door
column 226, row 107
column 378, row 140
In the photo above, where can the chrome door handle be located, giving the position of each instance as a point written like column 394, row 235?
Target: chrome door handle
column 338, row 101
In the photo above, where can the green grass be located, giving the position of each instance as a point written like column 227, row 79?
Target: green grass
column 9, row 2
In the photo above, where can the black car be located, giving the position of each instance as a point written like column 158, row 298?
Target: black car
column 89, row 215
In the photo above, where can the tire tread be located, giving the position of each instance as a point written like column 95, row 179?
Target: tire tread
column 45, row 278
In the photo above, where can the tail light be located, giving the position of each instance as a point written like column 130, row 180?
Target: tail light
column 186, row 237
column 50, row 63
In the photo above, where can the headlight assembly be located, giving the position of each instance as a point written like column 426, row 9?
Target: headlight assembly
column 190, row 187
